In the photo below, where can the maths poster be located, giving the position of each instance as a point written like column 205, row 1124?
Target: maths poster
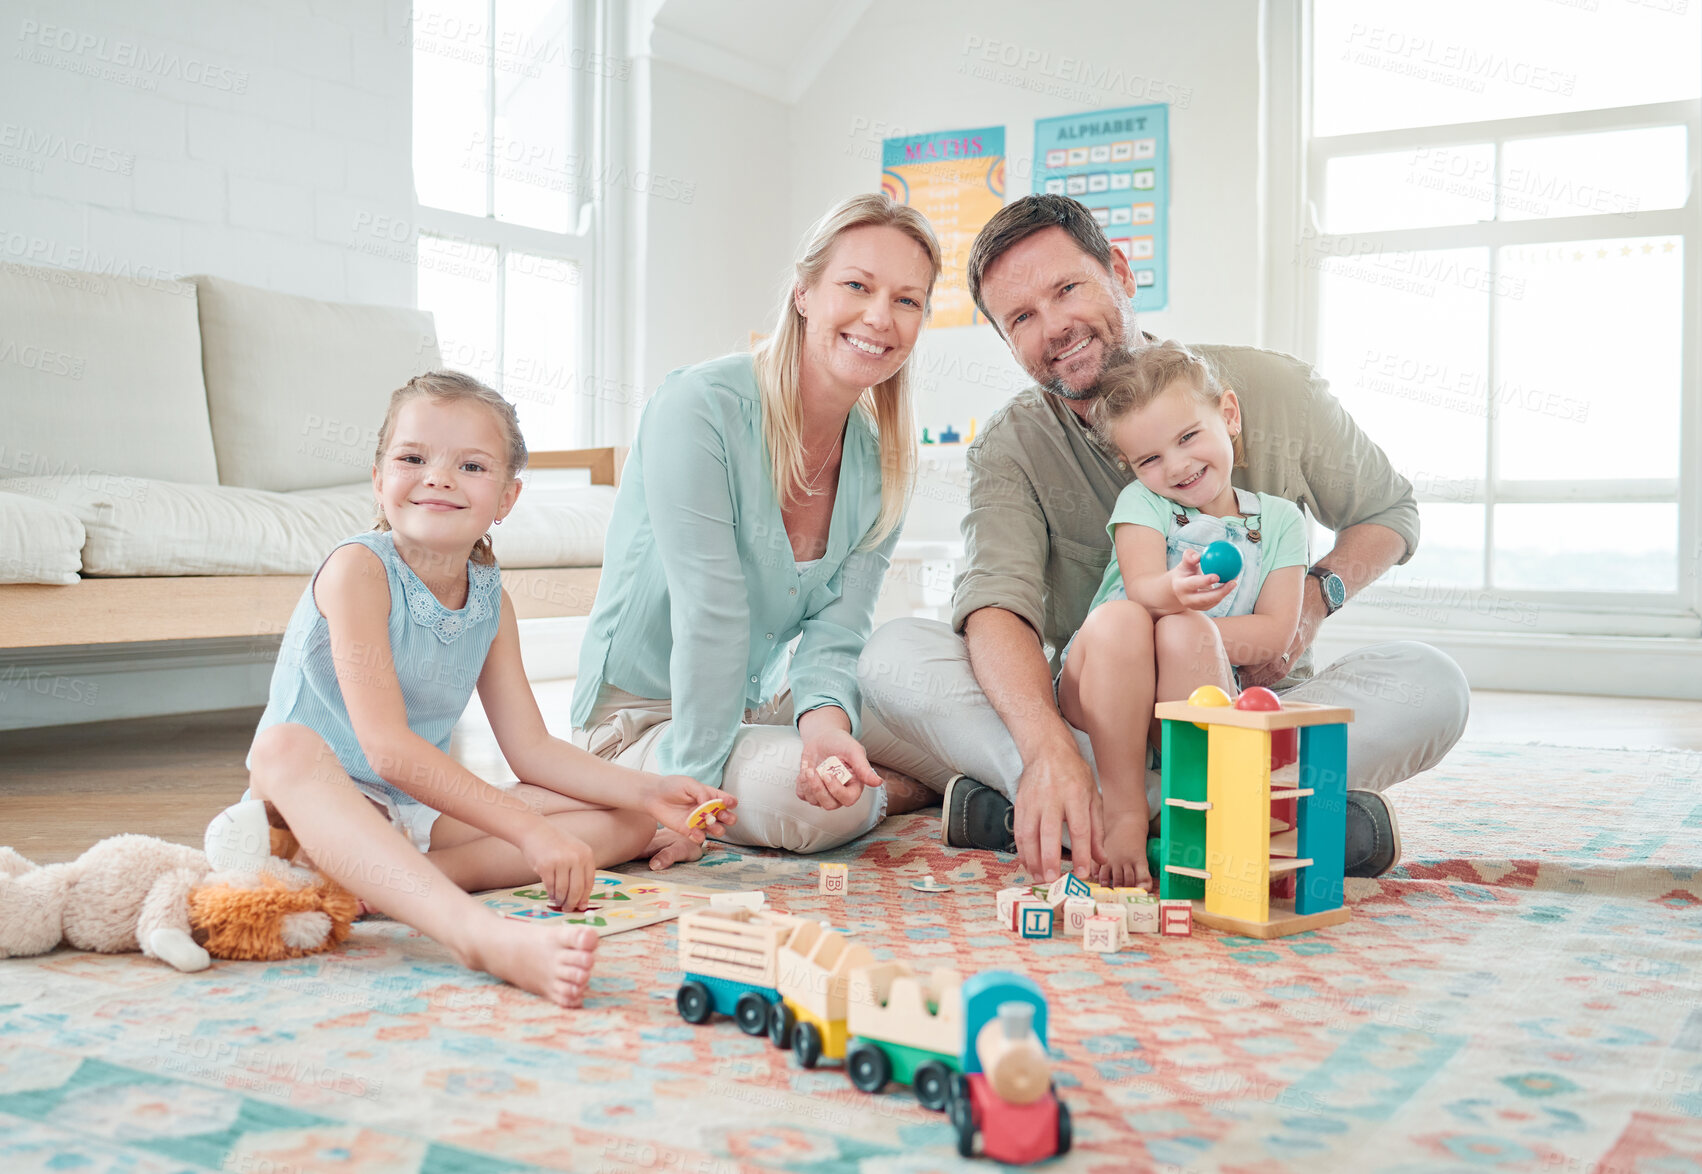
column 1117, row 162
column 957, row 180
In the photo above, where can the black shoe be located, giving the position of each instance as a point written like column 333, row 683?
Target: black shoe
column 976, row 816
column 1373, row 835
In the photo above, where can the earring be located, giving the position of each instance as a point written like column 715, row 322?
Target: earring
column 499, row 521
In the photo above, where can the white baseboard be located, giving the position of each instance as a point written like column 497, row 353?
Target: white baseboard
column 1611, row 666
column 67, row 686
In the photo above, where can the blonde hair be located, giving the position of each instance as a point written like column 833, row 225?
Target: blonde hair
column 1133, row 379
column 887, row 405
column 454, row 387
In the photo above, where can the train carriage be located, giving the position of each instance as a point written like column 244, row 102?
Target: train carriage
column 729, row 957
column 906, row 1027
column 815, row 966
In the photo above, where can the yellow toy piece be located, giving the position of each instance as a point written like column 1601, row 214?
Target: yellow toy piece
column 1208, row 695
column 706, row 813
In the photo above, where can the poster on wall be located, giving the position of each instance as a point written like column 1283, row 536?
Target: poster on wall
column 957, row 180
column 1117, row 162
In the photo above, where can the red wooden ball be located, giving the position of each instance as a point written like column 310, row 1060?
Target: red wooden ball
column 1258, row 697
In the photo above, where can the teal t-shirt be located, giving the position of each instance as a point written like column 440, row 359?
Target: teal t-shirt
column 1282, row 539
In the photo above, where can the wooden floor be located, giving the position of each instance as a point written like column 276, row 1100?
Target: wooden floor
column 63, row 788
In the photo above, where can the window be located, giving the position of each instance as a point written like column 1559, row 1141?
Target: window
column 1498, row 276
column 501, row 102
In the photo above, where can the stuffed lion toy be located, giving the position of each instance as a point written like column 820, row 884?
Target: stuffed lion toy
column 240, row 898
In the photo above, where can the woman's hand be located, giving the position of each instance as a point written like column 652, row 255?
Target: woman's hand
column 827, row 734
column 563, row 862
column 670, row 799
column 1194, row 591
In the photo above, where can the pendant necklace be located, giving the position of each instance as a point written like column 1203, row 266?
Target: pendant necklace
column 810, row 489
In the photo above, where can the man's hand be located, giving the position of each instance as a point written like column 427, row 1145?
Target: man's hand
column 1057, row 791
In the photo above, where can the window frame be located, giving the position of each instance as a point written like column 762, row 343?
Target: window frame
column 1296, row 161
column 588, row 33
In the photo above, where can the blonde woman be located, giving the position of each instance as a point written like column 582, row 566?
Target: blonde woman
column 761, row 502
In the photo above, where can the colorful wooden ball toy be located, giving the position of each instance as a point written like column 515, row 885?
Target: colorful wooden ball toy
column 1259, row 698
column 1221, row 559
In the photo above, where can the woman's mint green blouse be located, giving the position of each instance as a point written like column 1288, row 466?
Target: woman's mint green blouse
column 700, row 594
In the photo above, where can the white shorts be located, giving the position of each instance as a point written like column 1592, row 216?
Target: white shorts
column 405, row 813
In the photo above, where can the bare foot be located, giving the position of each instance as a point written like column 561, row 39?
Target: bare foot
column 903, row 793
column 669, row 847
column 553, row 962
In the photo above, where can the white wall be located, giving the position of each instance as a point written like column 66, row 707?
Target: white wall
column 713, row 265
column 260, row 141
column 910, row 68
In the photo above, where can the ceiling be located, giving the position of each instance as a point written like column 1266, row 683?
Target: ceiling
column 774, row 47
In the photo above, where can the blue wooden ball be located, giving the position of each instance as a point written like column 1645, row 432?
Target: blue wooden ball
column 1221, row 559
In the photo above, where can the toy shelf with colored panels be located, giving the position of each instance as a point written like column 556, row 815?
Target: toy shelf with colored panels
column 1258, row 858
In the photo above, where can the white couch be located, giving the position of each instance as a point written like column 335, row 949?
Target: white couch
column 176, row 456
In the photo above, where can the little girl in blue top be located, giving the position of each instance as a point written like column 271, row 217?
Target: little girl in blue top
column 1178, row 429
column 377, row 664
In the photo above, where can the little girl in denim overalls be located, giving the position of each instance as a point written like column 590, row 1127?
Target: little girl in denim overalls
column 1166, row 631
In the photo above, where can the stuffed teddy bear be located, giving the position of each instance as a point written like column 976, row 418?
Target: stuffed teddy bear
column 238, row 899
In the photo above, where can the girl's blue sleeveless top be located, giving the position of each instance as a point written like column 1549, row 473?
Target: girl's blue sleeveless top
column 438, row 654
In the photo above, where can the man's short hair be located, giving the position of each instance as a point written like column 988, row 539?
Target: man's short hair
column 1017, row 221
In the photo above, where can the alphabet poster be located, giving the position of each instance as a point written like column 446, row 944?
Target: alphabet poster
column 957, row 180
column 1117, row 162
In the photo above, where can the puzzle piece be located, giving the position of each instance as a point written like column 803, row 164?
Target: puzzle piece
column 705, row 814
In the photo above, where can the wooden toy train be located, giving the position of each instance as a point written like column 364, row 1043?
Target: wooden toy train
column 975, row 1048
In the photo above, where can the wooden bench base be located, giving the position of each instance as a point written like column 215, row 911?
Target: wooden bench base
column 208, row 607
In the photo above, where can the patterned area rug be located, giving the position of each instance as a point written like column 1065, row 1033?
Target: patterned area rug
column 1525, row 994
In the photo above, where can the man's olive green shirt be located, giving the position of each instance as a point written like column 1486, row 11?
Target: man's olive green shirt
column 1041, row 489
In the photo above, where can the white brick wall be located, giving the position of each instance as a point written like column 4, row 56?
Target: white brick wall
column 190, row 136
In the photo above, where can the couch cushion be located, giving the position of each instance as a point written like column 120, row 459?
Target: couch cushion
column 40, row 541
column 297, row 388
column 101, row 376
column 164, row 528
column 555, row 527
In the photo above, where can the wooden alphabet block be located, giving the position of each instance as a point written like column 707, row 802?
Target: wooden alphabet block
column 1076, row 912
column 1068, row 885
column 1102, row 934
column 1176, row 918
column 832, row 770
column 1143, row 915
column 1036, row 919
column 835, row 879
column 1007, row 905
column 1112, row 909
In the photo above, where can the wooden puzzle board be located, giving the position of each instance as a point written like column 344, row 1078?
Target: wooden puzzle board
column 618, row 903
